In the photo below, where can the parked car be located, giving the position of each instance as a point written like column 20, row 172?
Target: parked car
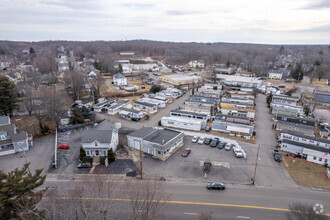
column 194, row 139
column 85, row 165
column 207, row 129
column 218, row 186
column 207, row 141
column 228, row 147
column 135, row 119
column 238, row 152
column 277, row 156
column 201, row 140
column 186, row 152
column 221, row 145
column 214, row 142
column 63, row 146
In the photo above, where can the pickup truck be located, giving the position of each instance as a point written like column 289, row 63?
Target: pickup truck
column 277, row 155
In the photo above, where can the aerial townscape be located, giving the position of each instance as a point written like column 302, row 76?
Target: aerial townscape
column 158, row 129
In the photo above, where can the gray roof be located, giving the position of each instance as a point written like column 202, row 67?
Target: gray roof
column 142, row 132
column 119, row 76
column 309, row 146
column 102, row 136
column 189, row 113
column 118, row 104
column 4, row 120
column 86, row 101
column 292, row 119
column 145, row 104
column 9, row 129
column 12, row 75
column 162, row 136
column 307, row 127
column 237, row 103
column 322, row 96
column 285, row 97
column 198, row 101
column 100, row 104
column 130, row 110
column 19, row 136
column 298, row 134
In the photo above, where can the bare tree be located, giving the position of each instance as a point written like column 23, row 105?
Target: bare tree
column 299, row 211
column 76, row 81
column 26, row 91
column 45, row 60
column 98, row 83
column 53, row 107
column 143, row 76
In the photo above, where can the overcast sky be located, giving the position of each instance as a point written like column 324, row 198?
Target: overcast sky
column 241, row 21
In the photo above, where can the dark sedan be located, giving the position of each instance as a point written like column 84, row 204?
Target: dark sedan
column 85, row 165
column 218, row 186
column 221, row 145
column 207, row 141
column 214, row 142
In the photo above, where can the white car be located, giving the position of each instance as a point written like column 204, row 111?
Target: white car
column 201, row 140
column 194, row 139
column 228, row 146
column 238, row 152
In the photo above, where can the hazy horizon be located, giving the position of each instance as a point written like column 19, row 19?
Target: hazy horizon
column 292, row 22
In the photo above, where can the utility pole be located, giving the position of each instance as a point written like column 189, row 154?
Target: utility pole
column 299, row 77
column 256, row 164
column 141, row 159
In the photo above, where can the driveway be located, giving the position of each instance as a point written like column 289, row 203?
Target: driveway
column 152, row 122
column 40, row 155
column 269, row 172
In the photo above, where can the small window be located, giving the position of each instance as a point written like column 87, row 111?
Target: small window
column 87, row 153
column 95, row 143
column 320, row 159
column 314, row 158
column 325, row 160
column 159, row 152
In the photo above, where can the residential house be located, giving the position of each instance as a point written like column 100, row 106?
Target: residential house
column 145, row 107
column 15, row 76
column 324, row 130
column 223, row 69
column 238, row 100
column 130, row 113
column 287, row 110
column 284, row 99
column 249, row 113
column 316, row 150
column 159, row 143
column 202, row 99
column 239, row 126
column 12, row 141
column 88, row 102
column 119, row 80
column 103, row 105
column 195, row 108
column 96, row 142
column 302, row 125
column 27, row 66
column 197, row 64
column 171, row 92
column 191, row 115
column 183, row 123
column 238, row 105
column 115, row 107
column 159, row 103
column 127, row 53
column 242, row 96
column 91, row 74
column 322, row 98
column 277, row 73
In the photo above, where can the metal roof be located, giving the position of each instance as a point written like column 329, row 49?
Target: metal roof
column 309, row 146
column 4, row 120
column 298, row 134
column 145, row 104
column 322, row 96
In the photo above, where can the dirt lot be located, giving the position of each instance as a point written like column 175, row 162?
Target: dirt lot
column 110, row 91
column 306, row 173
column 26, row 123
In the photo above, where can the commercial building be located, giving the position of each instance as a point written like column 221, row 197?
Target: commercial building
column 181, row 79
column 243, row 81
column 159, row 143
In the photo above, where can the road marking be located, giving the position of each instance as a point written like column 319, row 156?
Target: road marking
column 246, row 217
column 216, row 164
column 181, row 202
column 188, row 213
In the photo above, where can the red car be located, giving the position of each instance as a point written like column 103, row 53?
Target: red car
column 63, row 146
column 186, row 152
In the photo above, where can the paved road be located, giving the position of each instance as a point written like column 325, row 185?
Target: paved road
column 269, row 172
column 75, row 65
column 152, row 122
column 188, row 201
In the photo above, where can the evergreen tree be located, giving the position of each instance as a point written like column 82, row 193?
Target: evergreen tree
column 77, row 117
column 120, row 68
column 18, row 195
column 111, row 156
column 31, row 50
column 8, row 96
column 155, row 89
column 298, row 73
column 228, row 63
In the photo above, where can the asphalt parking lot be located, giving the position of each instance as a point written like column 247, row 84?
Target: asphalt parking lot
column 227, row 168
